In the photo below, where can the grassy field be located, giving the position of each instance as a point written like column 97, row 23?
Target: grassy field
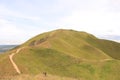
column 65, row 55
column 6, row 68
column 57, row 63
column 40, row 77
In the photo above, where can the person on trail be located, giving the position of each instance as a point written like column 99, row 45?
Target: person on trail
column 44, row 73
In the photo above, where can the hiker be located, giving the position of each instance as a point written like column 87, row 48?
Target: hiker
column 45, row 74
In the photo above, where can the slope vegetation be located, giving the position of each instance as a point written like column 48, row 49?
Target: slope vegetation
column 76, row 44
column 67, row 53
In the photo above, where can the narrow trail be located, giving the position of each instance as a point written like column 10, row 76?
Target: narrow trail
column 12, row 61
column 105, row 60
column 97, row 60
column 19, row 72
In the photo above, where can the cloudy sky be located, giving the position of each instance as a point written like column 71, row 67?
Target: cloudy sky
column 23, row 19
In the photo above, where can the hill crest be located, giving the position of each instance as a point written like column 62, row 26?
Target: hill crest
column 65, row 53
column 80, row 44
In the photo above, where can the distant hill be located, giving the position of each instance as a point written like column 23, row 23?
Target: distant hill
column 4, row 48
column 66, row 53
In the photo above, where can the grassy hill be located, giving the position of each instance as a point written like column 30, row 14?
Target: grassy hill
column 66, row 53
column 77, row 44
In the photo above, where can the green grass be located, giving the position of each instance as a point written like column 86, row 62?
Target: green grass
column 53, row 62
column 70, row 42
column 67, row 53
column 78, row 44
column 46, row 60
column 41, row 77
column 6, row 68
column 111, row 48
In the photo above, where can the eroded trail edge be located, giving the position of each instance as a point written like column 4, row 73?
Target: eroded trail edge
column 12, row 61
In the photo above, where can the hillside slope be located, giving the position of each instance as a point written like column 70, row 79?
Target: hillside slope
column 67, row 53
column 77, row 44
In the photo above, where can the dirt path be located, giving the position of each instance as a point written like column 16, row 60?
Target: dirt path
column 96, row 60
column 105, row 60
column 12, row 61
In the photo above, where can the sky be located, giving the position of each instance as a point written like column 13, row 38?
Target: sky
column 22, row 19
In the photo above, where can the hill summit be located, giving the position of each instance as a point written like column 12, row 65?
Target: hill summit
column 77, row 44
column 65, row 53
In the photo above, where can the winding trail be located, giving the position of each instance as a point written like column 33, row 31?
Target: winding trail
column 19, row 49
column 103, row 60
column 12, row 61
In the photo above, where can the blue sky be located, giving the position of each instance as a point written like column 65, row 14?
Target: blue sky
column 22, row 19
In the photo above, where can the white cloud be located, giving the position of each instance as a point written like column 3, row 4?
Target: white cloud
column 5, row 12
column 8, row 28
column 93, row 22
column 114, row 5
column 24, row 19
column 10, row 33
